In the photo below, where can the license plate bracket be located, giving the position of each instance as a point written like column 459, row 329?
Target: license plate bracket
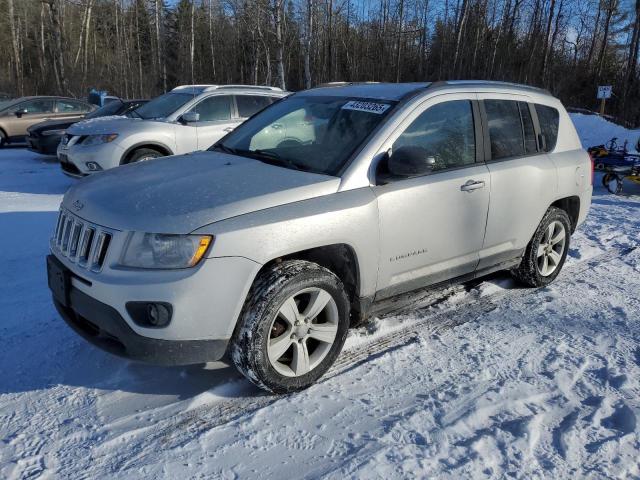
column 59, row 280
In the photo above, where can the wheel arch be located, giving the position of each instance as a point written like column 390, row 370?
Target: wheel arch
column 158, row 146
column 571, row 205
column 339, row 258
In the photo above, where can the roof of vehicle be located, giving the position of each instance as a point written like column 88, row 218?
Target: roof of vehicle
column 14, row 101
column 198, row 89
column 398, row 91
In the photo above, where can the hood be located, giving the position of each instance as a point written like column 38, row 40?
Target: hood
column 102, row 125
column 52, row 125
column 183, row 193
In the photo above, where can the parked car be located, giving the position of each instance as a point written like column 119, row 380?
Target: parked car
column 44, row 137
column 270, row 253
column 189, row 118
column 17, row 115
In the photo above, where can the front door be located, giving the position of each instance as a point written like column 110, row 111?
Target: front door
column 432, row 226
column 216, row 120
column 28, row 113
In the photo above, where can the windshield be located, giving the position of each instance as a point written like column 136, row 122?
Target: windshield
column 163, row 106
column 110, row 108
column 316, row 134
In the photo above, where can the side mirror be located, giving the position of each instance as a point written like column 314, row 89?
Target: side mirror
column 19, row 113
column 190, row 117
column 411, row 161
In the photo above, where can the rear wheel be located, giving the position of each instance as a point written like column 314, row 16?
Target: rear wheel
column 546, row 252
column 292, row 328
column 144, row 154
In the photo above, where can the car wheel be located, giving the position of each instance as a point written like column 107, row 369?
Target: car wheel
column 3, row 139
column 144, row 154
column 292, row 327
column 545, row 255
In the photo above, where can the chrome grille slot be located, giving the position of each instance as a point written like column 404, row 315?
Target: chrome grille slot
column 81, row 242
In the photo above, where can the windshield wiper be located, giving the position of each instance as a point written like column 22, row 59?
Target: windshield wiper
column 273, row 158
column 223, row 148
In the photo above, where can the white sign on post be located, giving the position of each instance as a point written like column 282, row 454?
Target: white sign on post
column 604, row 91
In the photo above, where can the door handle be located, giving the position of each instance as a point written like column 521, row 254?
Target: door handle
column 472, row 185
column 228, row 129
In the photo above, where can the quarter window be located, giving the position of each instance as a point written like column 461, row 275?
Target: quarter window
column 549, row 119
column 214, row 108
column 251, row 104
column 445, row 132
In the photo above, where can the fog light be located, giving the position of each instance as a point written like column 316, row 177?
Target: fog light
column 150, row 314
column 93, row 166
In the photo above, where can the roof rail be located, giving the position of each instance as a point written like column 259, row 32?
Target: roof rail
column 252, row 87
column 192, row 87
column 488, row 83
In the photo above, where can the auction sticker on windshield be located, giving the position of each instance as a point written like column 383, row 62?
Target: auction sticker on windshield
column 370, row 107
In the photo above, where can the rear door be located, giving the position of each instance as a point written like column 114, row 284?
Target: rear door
column 432, row 227
column 523, row 178
column 70, row 109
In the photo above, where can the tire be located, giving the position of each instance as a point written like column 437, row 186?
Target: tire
column 613, row 183
column 268, row 316
column 144, row 154
column 3, row 139
column 535, row 270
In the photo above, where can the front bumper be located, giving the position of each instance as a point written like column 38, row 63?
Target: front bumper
column 105, row 328
column 44, row 145
column 74, row 157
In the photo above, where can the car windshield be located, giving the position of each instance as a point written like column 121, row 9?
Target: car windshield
column 110, row 108
column 316, row 134
column 163, row 106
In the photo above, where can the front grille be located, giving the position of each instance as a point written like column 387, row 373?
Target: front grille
column 81, row 242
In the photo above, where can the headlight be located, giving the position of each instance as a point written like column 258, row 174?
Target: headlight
column 99, row 139
column 46, row 133
column 157, row 250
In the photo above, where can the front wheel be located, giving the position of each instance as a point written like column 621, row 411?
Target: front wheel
column 292, row 328
column 144, row 154
column 546, row 252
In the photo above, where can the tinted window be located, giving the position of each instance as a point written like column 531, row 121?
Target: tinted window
column 250, row 104
column 530, row 145
column 69, row 106
column 548, row 118
column 505, row 128
column 110, row 108
column 214, row 108
column 445, row 131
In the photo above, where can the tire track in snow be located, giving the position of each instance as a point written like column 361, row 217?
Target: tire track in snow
column 177, row 431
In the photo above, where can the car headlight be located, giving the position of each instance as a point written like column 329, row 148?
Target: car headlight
column 157, row 250
column 99, row 139
column 47, row 133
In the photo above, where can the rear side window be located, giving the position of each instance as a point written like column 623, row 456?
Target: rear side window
column 549, row 119
column 214, row 108
column 250, row 104
column 69, row 106
column 530, row 145
column 445, row 132
column 505, row 128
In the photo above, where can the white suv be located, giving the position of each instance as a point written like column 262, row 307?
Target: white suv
column 188, row 118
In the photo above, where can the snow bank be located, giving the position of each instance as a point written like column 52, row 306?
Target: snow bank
column 595, row 130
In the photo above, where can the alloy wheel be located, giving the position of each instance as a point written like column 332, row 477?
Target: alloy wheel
column 551, row 248
column 302, row 332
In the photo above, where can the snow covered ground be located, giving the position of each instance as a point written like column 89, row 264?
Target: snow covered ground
column 490, row 381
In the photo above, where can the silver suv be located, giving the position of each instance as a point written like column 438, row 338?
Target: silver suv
column 188, row 118
column 298, row 223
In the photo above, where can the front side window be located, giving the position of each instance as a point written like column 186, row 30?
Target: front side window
column 249, row 105
column 505, row 129
column 214, row 108
column 163, row 106
column 445, row 132
column 34, row 106
column 311, row 133
column 549, row 119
